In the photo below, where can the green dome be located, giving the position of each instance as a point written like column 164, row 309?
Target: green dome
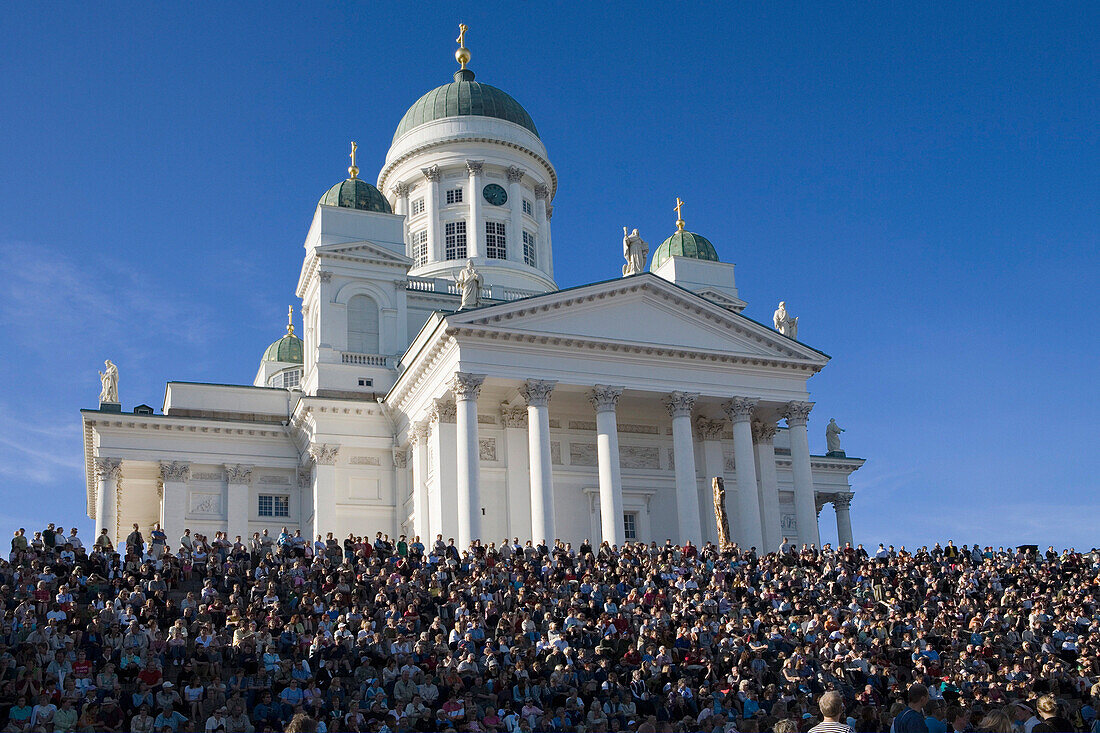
column 464, row 96
column 355, row 193
column 287, row 349
column 684, row 244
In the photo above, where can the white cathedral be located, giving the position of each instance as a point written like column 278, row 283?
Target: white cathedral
column 423, row 402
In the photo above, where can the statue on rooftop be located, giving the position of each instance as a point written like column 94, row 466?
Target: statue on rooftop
column 785, row 323
column 469, row 284
column 636, row 252
column 832, row 436
column 109, row 381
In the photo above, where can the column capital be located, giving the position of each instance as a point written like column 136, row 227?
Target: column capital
column 474, row 167
column 400, row 458
column 401, row 189
column 536, row 392
column 708, row 429
column 419, row 432
column 238, row 473
column 605, row 398
column 443, row 410
column 797, row 413
column 842, row 499
column 549, row 212
column 820, row 500
column 541, row 191
column 763, row 432
column 515, row 173
column 432, row 173
column 740, row 409
column 513, row 417
column 324, row 454
column 305, row 477
column 175, row 471
column 466, row 386
column 108, row 468
column 325, row 275
column 680, row 404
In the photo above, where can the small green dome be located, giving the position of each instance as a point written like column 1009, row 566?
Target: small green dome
column 287, row 349
column 684, row 244
column 464, row 96
column 355, row 193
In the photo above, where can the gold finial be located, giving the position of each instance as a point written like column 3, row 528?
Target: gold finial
column 462, row 55
column 679, row 218
column 290, row 320
column 353, row 170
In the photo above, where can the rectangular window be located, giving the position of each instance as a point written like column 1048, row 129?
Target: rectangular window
column 420, row 248
column 529, row 253
column 496, row 244
column 292, row 378
column 417, row 207
column 528, row 208
column 454, row 242
column 630, row 525
column 274, row 506
column 454, row 196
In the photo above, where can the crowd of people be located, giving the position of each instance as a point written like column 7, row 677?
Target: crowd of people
column 358, row 634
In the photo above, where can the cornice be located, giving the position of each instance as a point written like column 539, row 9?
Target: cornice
column 389, row 167
column 625, row 347
column 849, row 465
column 168, row 423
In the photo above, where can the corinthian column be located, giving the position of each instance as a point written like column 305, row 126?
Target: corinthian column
column 474, row 235
column 324, row 489
column 763, row 434
column 418, row 439
column 805, row 514
column 740, row 410
column 108, row 473
column 515, row 226
column 679, row 406
column 842, row 504
column 431, row 205
column 173, row 504
column 536, row 392
column 239, row 481
column 605, row 399
column 466, row 388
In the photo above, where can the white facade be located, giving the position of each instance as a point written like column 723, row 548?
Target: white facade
column 603, row 411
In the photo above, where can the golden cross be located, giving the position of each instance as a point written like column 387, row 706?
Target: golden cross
column 461, row 34
column 679, row 218
column 290, row 319
column 353, row 171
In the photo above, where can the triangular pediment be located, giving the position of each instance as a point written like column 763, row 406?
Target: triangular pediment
column 365, row 251
column 642, row 311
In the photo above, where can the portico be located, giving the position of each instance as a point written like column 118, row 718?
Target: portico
column 610, row 439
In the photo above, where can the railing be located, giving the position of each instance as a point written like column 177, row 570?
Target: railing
column 450, row 287
column 375, row 360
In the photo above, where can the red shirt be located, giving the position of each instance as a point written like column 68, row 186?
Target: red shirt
column 150, row 677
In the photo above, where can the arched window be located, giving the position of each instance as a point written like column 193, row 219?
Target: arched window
column 362, row 325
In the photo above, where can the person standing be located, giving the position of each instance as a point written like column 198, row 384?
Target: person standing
column 911, row 720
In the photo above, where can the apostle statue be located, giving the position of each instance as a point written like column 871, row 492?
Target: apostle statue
column 832, row 436
column 636, row 252
column 109, row 380
column 469, row 283
column 785, row 323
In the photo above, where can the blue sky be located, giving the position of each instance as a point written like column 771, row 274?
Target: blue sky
column 919, row 181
